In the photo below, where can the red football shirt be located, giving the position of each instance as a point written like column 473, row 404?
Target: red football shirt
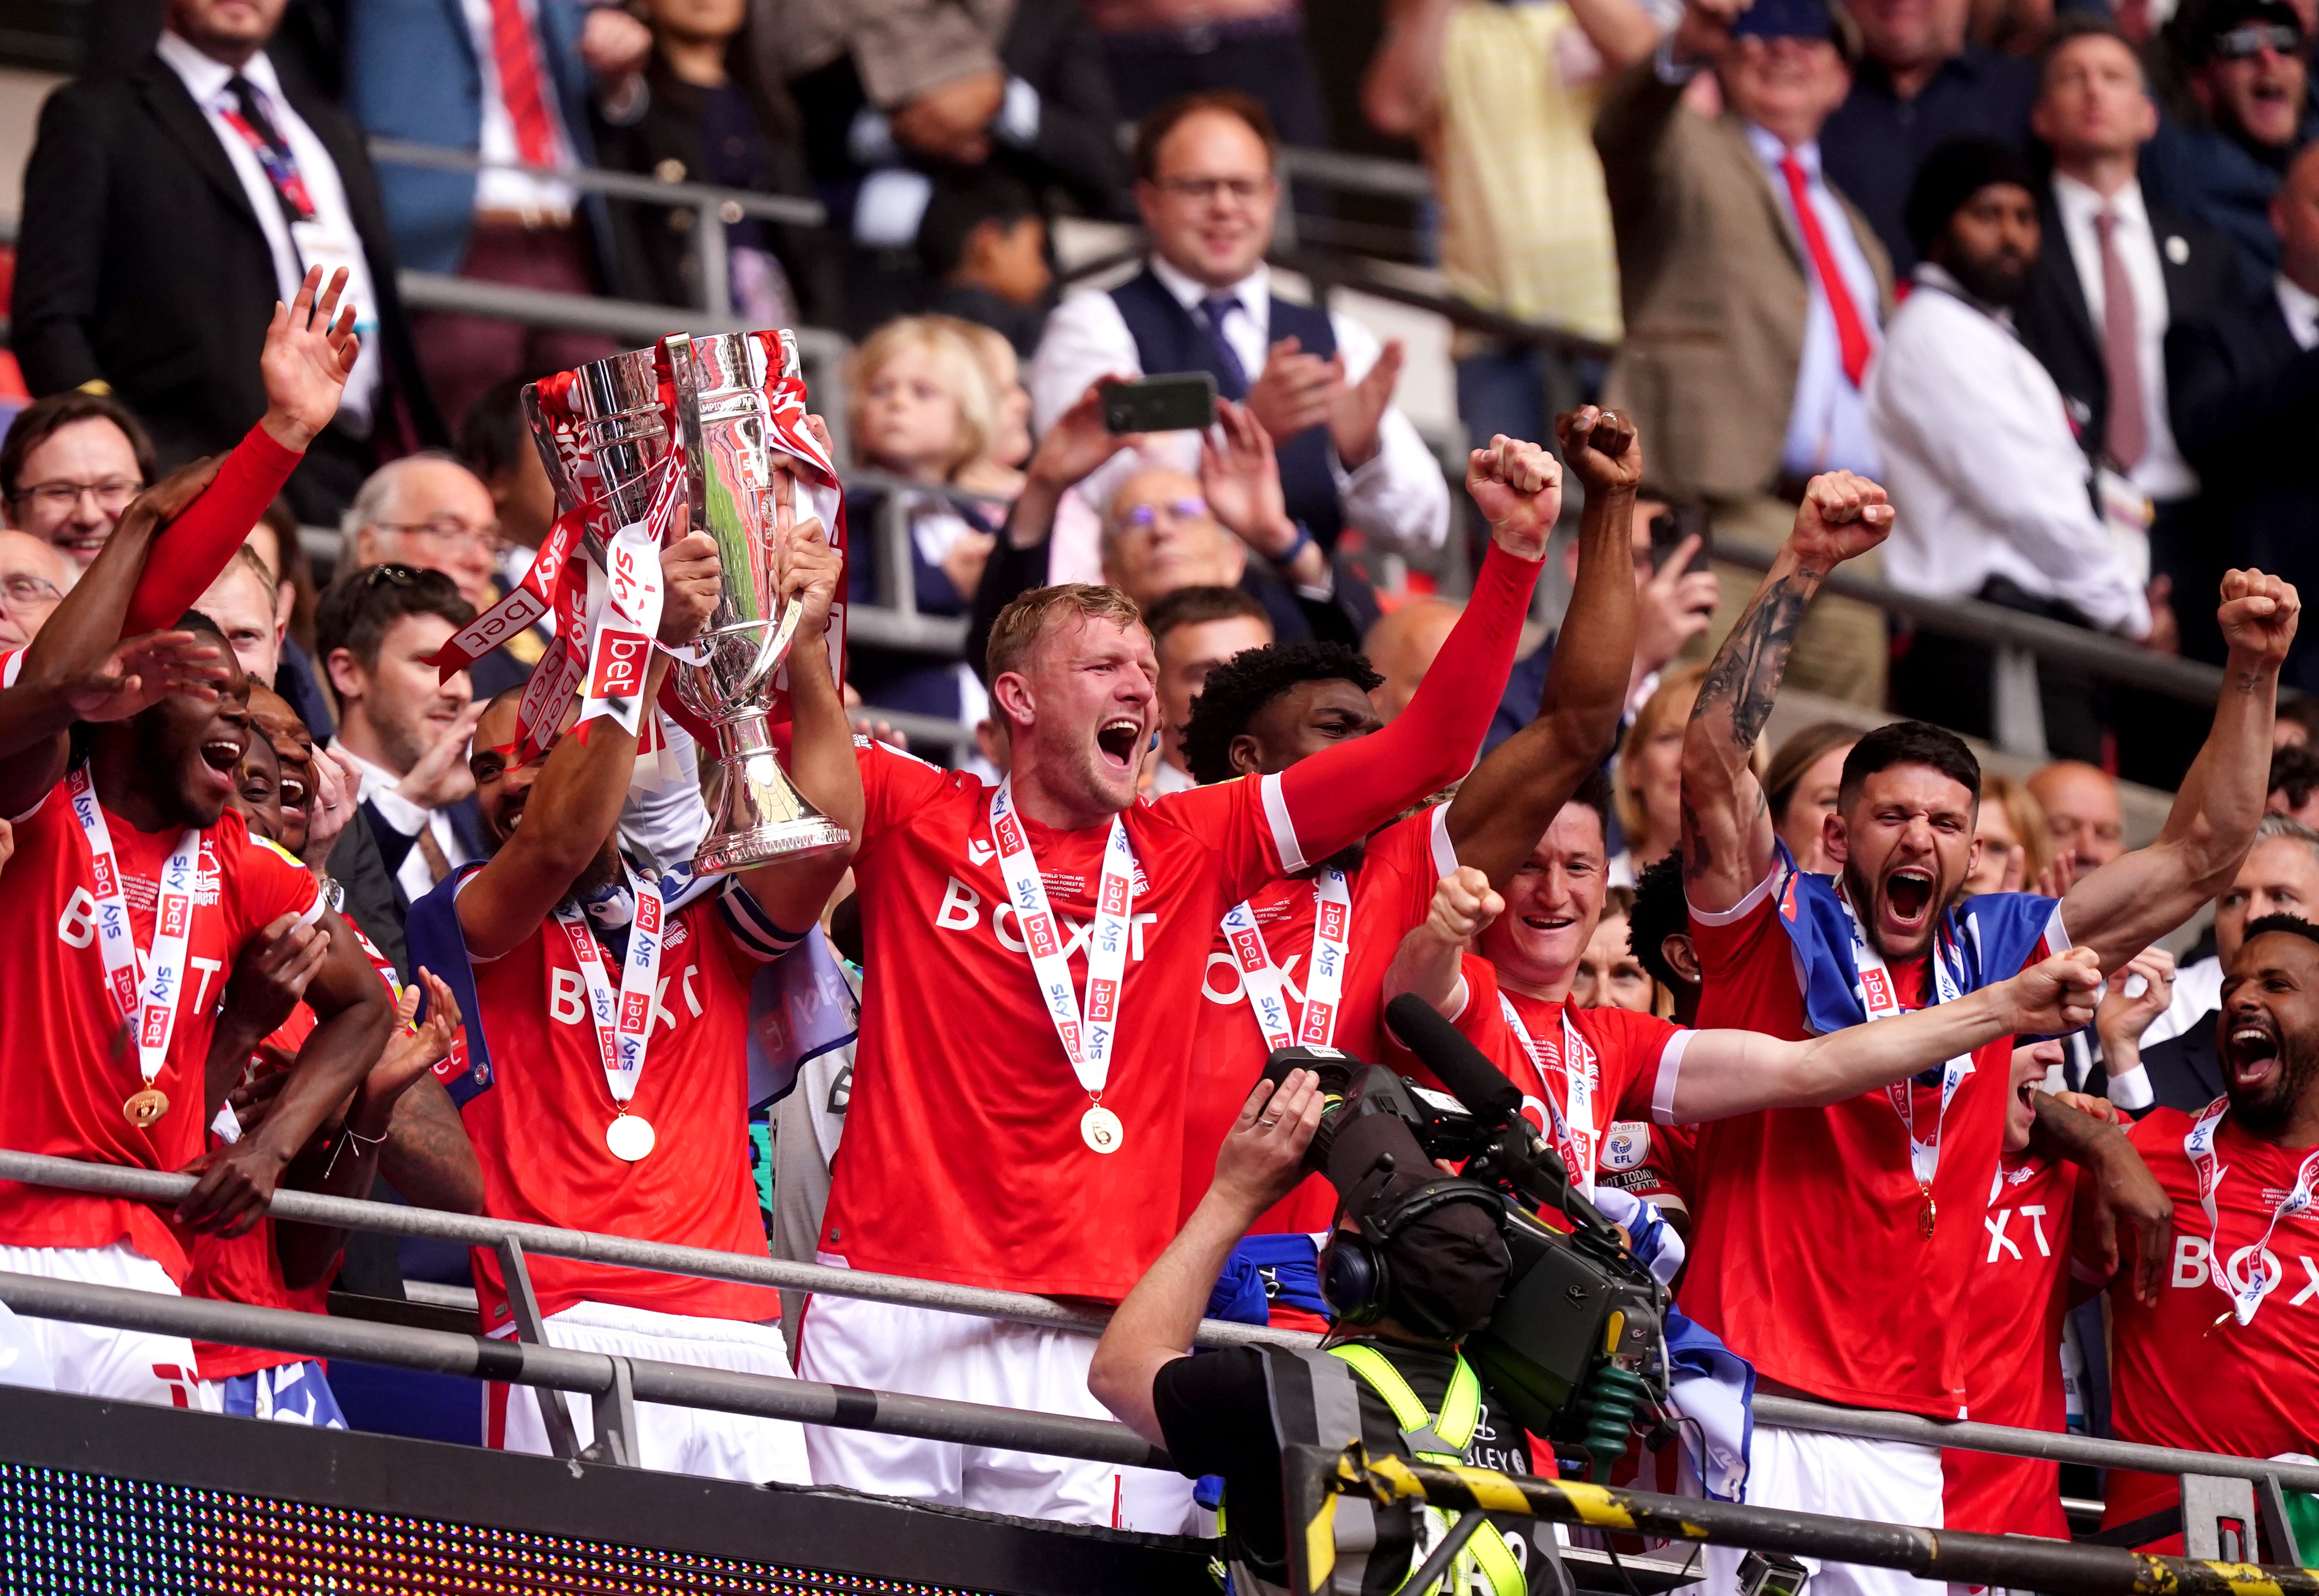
column 2019, row 1291
column 246, row 1268
column 1638, row 1056
column 1807, row 1254
column 65, row 1066
column 1392, row 889
column 2187, row 1373
column 538, row 1129
column 962, row 1157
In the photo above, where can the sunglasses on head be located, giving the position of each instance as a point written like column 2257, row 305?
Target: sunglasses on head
column 2249, row 40
column 393, row 572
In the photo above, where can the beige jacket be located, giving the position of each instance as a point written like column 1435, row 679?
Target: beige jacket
column 901, row 48
column 1713, row 285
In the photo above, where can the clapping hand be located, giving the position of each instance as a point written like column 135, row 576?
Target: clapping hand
column 1296, row 390
column 1240, row 476
column 306, row 360
column 1356, row 409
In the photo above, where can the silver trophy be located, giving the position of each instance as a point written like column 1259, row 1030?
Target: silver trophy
column 736, row 478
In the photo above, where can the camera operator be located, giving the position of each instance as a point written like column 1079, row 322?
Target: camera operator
column 1215, row 1412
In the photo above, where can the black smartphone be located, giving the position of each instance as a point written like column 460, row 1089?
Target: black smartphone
column 1179, row 401
column 1670, row 526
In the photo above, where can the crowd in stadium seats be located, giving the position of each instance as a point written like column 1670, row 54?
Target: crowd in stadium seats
column 1985, row 300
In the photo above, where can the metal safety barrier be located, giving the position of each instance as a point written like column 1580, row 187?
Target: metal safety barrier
column 1317, row 1478
column 2228, row 1500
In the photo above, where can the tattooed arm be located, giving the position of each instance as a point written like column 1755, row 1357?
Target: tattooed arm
column 1727, row 823
column 2134, row 899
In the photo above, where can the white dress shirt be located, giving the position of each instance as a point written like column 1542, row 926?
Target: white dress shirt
column 1982, row 468
column 329, row 240
column 1828, row 424
column 2161, row 472
column 2301, row 309
column 496, row 188
column 1398, row 498
column 378, row 785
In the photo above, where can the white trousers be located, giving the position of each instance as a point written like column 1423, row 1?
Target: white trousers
column 921, row 1352
column 89, row 1360
column 1886, row 1481
column 672, row 1440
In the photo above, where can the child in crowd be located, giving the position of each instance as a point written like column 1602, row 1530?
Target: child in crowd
column 983, row 244
column 922, row 411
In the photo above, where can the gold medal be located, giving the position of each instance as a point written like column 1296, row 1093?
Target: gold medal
column 1927, row 1215
column 1100, row 1129
column 144, row 1109
column 631, row 1137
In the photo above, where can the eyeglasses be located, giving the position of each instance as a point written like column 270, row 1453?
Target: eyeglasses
column 62, row 498
column 1144, row 516
column 21, row 593
column 1206, row 190
column 2249, row 39
column 453, row 536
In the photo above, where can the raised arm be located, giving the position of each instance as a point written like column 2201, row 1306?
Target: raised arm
column 791, row 892
column 76, row 667
column 2132, row 901
column 575, row 803
column 1260, row 1163
column 235, row 1183
column 1728, row 839
column 1431, row 958
column 1343, row 793
column 310, row 347
column 1729, row 1072
column 441, row 1171
column 1513, row 795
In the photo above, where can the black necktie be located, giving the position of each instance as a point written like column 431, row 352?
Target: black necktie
column 1213, row 311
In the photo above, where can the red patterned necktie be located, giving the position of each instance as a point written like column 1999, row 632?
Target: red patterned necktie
column 2125, row 437
column 522, row 83
column 1851, row 333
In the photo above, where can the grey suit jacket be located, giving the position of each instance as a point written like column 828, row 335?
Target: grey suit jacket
column 1712, row 280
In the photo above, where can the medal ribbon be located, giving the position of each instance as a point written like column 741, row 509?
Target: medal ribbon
column 1263, row 985
column 1881, row 1000
column 1574, row 1064
column 1086, row 1034
column 2198, row 1145
column 621, row 625
column 623, row 1030
column 153, row 1009
column 526, row 602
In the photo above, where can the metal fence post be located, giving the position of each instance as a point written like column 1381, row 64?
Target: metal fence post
column 715, row 257
column 898, row 589
column 523, row 1305
column 2218, row 1519
column 2016, row 713
column 616, row 1419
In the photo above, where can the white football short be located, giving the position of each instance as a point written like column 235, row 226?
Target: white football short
column 90, row 1360
column 921, row 1352
column 1884, row 1482
column 672, row 1439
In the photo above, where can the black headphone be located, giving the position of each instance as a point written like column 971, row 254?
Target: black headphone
column 1356, row 1276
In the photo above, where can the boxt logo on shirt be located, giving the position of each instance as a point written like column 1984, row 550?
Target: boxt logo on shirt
column 1019, row 931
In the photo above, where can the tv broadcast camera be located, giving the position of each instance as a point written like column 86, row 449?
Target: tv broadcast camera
column 1576, row 1342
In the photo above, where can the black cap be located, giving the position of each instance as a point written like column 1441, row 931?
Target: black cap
column 2213, row 21
column 1448, row 1266
column 1952, row 175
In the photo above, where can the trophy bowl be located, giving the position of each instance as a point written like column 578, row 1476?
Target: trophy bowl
column 737, row 484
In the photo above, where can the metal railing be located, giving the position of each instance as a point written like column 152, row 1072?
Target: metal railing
column 2255, row 1483
column 1317, row 1480
column 714, row 209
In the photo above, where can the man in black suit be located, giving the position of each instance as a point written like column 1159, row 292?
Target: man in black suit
column 2118, row 270
column 168, row 210
column 2244, row 389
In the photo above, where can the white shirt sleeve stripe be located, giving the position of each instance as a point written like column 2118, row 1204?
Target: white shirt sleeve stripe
column 1670, row 1069
column 1740, row 910
column 1445, row 851
column 1284, row 829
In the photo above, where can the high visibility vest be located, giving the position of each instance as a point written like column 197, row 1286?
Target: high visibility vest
column 1487, row 1566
